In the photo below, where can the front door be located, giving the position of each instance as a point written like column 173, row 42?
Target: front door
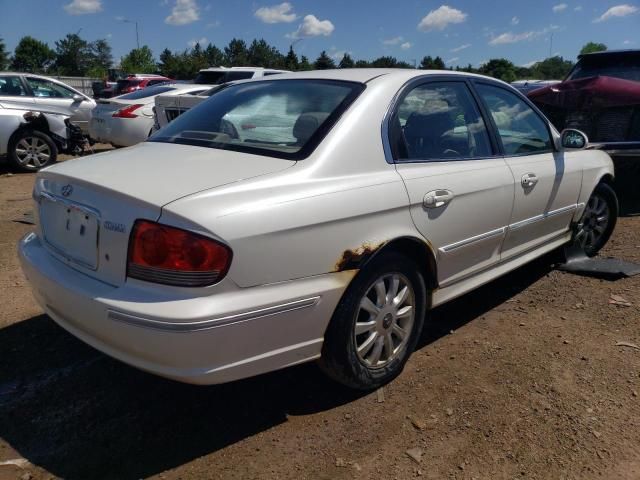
column 547, row 183
column 48, row 93
column 460, row 190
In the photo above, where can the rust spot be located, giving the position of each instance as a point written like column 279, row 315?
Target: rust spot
column 352, row 258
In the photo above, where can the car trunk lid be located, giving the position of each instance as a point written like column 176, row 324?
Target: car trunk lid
column 87, row 207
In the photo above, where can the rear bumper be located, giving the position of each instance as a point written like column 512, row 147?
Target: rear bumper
column 234, row 334
column 121, row 132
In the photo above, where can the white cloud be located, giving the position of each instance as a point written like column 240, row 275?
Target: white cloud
column 559, row 8
column 578, row 8
column 213, row 24
column 282, row 13
column 183, row 13
column 440, row 18
column 406, row 45
column 338, row 54
column 509, row 37
column 515, row 21
column 451, row 60
column 617, row 11
column 628, row 42
column 461, row 47
column 82, row 7
column 393, row 41
column 203, row 41
column 108, row 35
column 530, row 64
column 312, row 27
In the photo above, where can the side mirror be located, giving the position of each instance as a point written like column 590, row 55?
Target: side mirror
column 77, row 98
column 573, row 139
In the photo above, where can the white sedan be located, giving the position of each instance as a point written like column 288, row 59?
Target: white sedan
column 220, row 250
column 128, row 119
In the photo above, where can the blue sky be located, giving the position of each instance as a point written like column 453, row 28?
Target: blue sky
column 460, row 31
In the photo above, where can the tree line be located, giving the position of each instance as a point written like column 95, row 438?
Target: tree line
column 75, row 56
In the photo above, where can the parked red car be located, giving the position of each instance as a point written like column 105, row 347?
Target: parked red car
column 600, row 96
column 138, row 82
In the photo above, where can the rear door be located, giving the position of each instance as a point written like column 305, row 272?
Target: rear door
column 546, row 183
column 460, row 189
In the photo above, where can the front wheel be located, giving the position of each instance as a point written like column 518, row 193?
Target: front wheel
column 376, row 325
column 32, row 150
column 596, row 225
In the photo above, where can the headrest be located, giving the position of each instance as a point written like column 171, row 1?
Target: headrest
column 307, row 124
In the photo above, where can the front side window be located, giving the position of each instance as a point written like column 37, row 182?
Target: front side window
column 11, row 86
column 49, row 89
column 521, row 130
column 284, row 119
column 440, row 121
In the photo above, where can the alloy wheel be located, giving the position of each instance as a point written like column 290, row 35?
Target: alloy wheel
column 32, row 152
column 594, row 222
column 384, row 320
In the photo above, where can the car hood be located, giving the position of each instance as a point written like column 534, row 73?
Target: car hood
column 159, row 173
column 592, row 92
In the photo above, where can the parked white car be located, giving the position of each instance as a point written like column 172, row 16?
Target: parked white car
column 128, row 119
column 41, row 93
column 220, row 75
column 169, row 107
column 221, row 248
column 31, row 139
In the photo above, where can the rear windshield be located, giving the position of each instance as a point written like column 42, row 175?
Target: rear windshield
column 284, row 119
column 626, row 67
column 147, row 92
column 218, row 77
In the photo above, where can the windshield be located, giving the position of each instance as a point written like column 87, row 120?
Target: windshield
column 284, row 119
column 626, row 67
column 147, row 92
column 216, row 77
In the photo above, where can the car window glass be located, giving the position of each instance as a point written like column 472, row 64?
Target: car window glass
column 625, row 67
column 11, row 86
column 520, row 128
column 275, row 118
column 147, row 92
column 441, row 121
column 47, row 88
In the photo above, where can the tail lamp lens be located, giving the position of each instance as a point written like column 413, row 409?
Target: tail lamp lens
column 172, row 256
column 127, row 112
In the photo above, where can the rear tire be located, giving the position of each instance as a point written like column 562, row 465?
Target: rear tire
column 596, row 225
column 31, row 150
column 376, row 325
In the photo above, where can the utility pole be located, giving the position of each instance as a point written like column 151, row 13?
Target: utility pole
column 551, row 46
column 126, row 20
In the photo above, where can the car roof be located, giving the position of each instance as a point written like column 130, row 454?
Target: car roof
column 364, row 75
column 628, row 52
column 231, row 69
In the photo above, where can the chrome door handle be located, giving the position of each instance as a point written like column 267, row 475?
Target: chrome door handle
column 529, row 180
column 437, row 198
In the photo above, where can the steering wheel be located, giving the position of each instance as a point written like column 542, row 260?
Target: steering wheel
column 449, row 152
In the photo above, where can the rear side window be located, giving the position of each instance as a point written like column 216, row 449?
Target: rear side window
column 440, row 121
column 521, row 130
column 11, row 86
column 284, row 119
column 219, row 77
column 147, row 92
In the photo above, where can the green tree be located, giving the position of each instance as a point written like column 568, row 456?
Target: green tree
column 261, row 54
column 553, row 68
column 362, row 64
column 73, row 56
column 32, row 55
column 236, row 53
column 346, row 62
column 215, row 56
column 101, row 58
column 139, row 60
column 500, row 68
column 4, row 56
column 291, row 60
column 324, row 62
column 389, row 62
column 430, row 63
column 593, row 47
column 304, row 64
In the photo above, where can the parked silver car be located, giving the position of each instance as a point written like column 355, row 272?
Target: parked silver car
column 35, row 91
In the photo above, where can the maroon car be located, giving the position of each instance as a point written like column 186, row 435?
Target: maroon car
column 601, row 97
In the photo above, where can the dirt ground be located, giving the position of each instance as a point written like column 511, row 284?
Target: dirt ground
column 520, row 379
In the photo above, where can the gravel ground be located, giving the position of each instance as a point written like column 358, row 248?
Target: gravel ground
column 520, row 379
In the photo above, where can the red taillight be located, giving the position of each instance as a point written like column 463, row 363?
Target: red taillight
column 127, row 112
column 163, row 254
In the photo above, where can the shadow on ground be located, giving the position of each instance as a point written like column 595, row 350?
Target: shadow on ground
column 80, row 414
column 627, row 171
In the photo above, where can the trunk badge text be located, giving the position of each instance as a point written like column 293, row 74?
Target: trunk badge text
column 66, row 190
column 114, row 227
